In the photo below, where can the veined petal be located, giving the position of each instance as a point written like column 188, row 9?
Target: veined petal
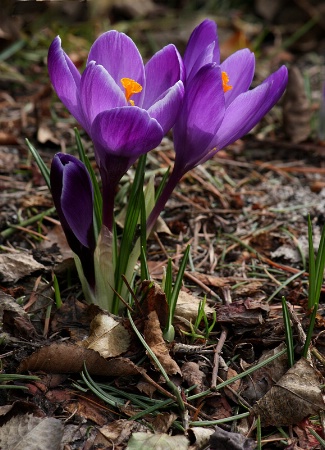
column 205, row 57
column 98, row 92
column 162, row 71
column 166, row 109
column 73, row 198
column 202, row 113
column 65, row 79
column 249, row 108
column 118, row 54
column 240, row 67
column 202, row 36
column 128, row 132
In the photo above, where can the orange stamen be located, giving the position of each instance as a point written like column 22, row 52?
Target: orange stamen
column 225, row 81
column 131, row 87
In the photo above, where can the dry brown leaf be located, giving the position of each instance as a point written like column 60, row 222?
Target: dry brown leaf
column 262, row 380
column 295, row 396
column 149, row 441
column 154, row 338
column 26, row 431
column 225, row 440
column 163, row 421
column 70, row 358
column 241, row 312
column 187, row 307
column 118, row 432
column 193, row 375
column 155, row 300
column 107, row 336
column 200, row 437
column 15, row 266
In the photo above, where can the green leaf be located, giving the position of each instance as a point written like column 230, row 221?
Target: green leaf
column 288, row 332
column 45, row 171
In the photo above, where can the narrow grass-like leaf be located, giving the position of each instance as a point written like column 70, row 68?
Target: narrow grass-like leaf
column 162, row 184
column 258, row 433
column 288, row 332
column 237, row 377
column 130, row 226
column 143, row 239
column 169, row 331
column 10, row 230
column 316, row 276
column 317, row 436
column 168, row 282
column 45, row 171
column 173, row 388
column 207, row 423
column 57, row 293
column 312, row 268
column 310, row 331
column 98, row 200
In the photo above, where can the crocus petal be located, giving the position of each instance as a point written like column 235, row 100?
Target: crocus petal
column 202, row 36
column 73, row 197
column 166, row 109
column 119, row 55
column 162, row 71
column 249, row 108
column 65, row 79
column 98, row 92
column 240, row 67
column 128, row 132
column 202, row 113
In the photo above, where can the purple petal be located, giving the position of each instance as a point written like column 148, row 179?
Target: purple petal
column 73, row 197
column 166, row 109
column 249, row 108
column 240, row 67
column 163, row 71
column 118, row 54
column 202, row 113
column 128, row 132
column 200, row 39
column 98, row 92
column 65, row 79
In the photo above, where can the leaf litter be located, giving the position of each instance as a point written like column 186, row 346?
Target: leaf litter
column 244, row 214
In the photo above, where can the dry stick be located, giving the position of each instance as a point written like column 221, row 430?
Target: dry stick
column 218, row 350
column 297, row 325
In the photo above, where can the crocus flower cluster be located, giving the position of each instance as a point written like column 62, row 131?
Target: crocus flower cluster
column 218, row 107
column 127, row 107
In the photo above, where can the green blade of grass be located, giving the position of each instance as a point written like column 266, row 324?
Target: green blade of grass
column 45, row 171
column 288, row 333
column 130, row 226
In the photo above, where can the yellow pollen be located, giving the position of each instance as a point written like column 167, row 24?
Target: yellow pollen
column 225, row 81
column 131, row 87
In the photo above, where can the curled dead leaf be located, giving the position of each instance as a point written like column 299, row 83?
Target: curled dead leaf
column 70, row 358
column 154, row 338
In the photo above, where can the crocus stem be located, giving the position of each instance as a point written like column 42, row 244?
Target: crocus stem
column 162, row 200
column 108, row 207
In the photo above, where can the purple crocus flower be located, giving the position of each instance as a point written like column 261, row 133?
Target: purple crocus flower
column 72, row 193
column 218, row 107
column 124, row 106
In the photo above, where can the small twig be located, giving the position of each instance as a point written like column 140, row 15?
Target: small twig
column 218, row 350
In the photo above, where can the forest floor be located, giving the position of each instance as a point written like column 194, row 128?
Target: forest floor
column 244, row 213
